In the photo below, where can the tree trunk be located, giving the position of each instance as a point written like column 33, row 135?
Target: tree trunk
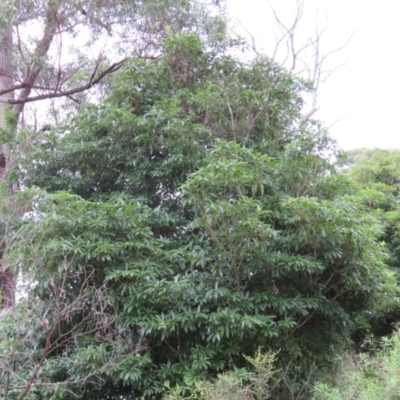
column 51, row 21
column 7, row 283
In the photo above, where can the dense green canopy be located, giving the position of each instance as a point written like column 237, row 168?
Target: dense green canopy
column 191, row 219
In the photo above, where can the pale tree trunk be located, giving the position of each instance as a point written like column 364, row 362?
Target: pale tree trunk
column 51, row 23
column 7, row 282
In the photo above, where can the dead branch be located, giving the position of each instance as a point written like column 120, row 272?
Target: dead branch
column 312, row 65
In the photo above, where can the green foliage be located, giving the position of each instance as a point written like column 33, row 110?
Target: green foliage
column 366, row 377
column 261, row 383
column 376, row 175
column 211, row 218
column 73, row 47
column 63, row 249
column 375, row 166
column 226, row 387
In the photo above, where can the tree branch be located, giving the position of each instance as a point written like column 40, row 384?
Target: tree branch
column 34, row 69
column 92, row 82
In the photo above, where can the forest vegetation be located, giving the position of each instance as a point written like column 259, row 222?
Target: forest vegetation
column 187, row 233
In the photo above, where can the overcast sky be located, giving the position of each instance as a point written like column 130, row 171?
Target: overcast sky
column 361, row 96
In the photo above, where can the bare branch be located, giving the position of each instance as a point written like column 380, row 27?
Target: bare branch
column 252, row 39
column 289, row 33
column 92, row 82
column 311, row 65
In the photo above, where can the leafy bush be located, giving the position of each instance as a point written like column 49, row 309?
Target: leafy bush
column 211, row 216
column 238, row 385
column 365, row 376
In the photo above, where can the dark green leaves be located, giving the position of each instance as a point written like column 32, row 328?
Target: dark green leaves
column 211, row 217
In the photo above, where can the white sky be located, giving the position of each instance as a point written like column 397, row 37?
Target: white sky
column 361, row 96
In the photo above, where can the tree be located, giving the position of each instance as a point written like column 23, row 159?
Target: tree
column 213, row 214
column 299, row 45
column 375, row 173
column 51, row 49
column 43, row 72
